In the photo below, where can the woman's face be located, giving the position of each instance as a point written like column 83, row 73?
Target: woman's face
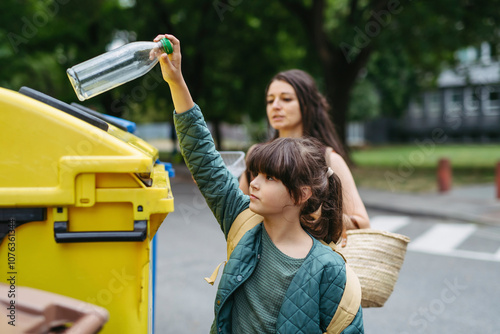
column 283, row 109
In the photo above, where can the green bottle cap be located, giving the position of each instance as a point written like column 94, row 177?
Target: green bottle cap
column 167, row 46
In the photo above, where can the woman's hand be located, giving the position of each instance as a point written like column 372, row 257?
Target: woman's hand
column 349, row 223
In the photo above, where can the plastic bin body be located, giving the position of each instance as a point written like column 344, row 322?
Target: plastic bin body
column 95, row 190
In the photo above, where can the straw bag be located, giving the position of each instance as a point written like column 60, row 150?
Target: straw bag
column 376, row 257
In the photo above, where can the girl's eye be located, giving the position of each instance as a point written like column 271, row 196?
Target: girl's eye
column 270, row 101
column 269, row 178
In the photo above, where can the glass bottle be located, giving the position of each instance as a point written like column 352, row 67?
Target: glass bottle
column 116, row 67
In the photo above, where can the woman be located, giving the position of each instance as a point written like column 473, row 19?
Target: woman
column 296, row 108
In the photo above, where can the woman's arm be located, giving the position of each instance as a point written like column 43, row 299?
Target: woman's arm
column 355, row 215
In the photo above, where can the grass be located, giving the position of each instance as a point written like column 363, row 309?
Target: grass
column 428, row 155
column 412, row 168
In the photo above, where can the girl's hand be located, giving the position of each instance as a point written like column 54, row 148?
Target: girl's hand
column 171, row 64
column 172, row 74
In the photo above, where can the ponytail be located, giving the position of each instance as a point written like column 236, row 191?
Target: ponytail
column 331, row 210
column 328, row 203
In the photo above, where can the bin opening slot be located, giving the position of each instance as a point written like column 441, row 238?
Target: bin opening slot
column 106, row 118
column 145, row 178
column 73, row 111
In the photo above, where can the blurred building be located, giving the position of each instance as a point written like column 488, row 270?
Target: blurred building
column 465, row 106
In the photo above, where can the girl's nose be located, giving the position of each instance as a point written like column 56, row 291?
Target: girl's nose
column 254, row 184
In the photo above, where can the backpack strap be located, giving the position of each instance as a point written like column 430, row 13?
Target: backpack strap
column 350, row 302
column 211, row 280
column 244, row 222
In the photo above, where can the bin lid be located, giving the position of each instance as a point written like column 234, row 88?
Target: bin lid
column 44, row 148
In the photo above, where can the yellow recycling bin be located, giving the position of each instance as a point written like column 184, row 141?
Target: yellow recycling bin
column 80, row 201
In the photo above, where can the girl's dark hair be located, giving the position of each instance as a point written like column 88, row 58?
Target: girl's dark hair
column 299, row 162
column 314, row 109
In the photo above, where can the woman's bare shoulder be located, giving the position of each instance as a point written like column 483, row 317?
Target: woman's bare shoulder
column 339, row 166
column 335, row 158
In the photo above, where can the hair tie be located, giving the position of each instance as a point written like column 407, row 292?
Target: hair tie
column 329, row 172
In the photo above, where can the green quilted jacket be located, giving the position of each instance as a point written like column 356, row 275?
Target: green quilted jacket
column 314, row 293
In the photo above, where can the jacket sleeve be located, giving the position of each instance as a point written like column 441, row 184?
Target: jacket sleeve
column 219, row 187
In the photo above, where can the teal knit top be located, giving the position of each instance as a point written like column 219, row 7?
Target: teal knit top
column 258, row 301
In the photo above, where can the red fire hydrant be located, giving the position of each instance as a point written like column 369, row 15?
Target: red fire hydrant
column 444, row 175
column 497, row 173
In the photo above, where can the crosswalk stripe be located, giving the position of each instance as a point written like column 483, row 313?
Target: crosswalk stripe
column 443, row 238
column 474, row 255
column 389, row 223
column 497, row 254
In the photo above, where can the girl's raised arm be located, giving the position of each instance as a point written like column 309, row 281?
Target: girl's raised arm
column 172, row 74
column 216, row 183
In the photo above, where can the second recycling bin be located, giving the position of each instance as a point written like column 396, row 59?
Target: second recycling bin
column 82, row 200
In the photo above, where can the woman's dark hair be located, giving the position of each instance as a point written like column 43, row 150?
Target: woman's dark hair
column 314, row 109
column 299, row 162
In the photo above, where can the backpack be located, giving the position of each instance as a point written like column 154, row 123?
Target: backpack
column 351, row 298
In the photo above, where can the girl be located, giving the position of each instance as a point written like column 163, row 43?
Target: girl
column 296, row 108
column 279, row 278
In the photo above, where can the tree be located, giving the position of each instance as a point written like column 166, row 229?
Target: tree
column 345, row 34
column 227, row 60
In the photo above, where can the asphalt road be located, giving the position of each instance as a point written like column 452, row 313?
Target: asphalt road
column 448, row 283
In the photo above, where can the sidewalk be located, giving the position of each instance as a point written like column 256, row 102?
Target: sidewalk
column 475, row 204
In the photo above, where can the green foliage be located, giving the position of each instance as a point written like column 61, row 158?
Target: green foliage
column 232, row 48
column 227, row 57
column 393, row 77
column 365, row 101
column 257, row 131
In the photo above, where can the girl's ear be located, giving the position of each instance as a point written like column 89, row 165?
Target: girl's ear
column 306, row 193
